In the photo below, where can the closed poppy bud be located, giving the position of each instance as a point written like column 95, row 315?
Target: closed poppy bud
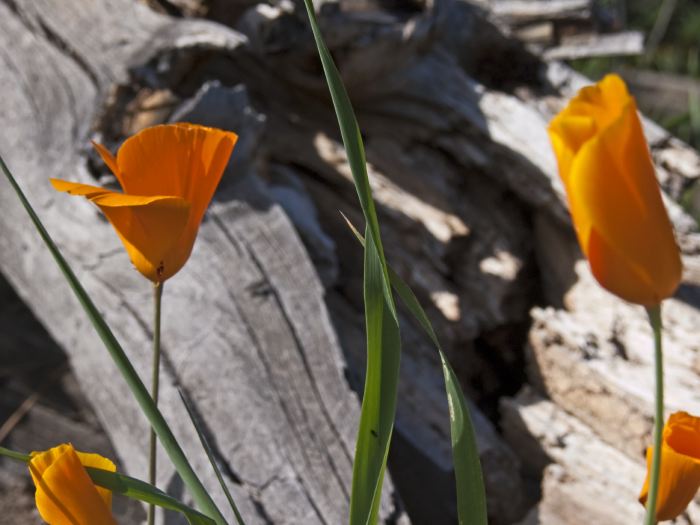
column 679, row 478
column 613, row 194
column 168, row 175
column 65, row 494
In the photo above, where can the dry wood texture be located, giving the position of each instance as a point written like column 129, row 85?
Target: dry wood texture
column 263, row 328
column 247, row 335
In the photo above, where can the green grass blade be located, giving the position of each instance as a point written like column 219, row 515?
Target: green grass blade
column 210, row 455
column 379, row 399
column 150, row 410
column 142, row 491
column 471, row 495
column 382, row 326
column 352, row 140
column 131, row 488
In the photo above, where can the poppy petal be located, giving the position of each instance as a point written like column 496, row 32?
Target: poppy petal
column 613, row 194
column 150, row 228
column 617, row 273
column 184, row 160
column 65, row 494
column 75, row 188
column 679, row 478
column 97, row 461
column 168, row 174
column 679, row 482
column 110, row 161
column 612, row 188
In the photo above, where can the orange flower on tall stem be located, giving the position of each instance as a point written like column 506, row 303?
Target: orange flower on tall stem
column 168, row 174
column 680, row 466
column 614, row 197
column 619, row 216
column 65, row 494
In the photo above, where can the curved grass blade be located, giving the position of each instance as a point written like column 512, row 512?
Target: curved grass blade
column 210, row 455
column 150, row 410
column 471, row 495
column 136, row 489
column 382, row 326
column 352, row 140
column 131, row 488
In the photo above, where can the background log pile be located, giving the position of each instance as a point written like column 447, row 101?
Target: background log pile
column 263, row 328
column 566, row 29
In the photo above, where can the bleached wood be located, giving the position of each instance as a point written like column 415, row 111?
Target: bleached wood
column 246, row 333
column 585, row 480
column 473, row 215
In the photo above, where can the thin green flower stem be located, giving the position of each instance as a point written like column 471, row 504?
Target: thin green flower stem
column 654, row 313
column 157, row 295
column 15, row 455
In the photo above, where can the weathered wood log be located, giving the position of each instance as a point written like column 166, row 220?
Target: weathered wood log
column 598, row 350
column 518, row 12
column 473, row 215
column 521, row 129
column 585, row 480
column 498, row 138
column 564, row 29
column 592, row 354
column 293, row 417
column 591, row 45
column 246, row 333
column 41, row 405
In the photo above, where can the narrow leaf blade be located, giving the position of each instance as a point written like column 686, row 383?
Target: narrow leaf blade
column 382, row 327
column 379, row 399
column 142, row 491
column 210, row 456
column 141, row 394
column 471, row 494
column 352, row 140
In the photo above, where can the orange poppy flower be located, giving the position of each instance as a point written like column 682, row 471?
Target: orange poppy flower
column 613, row 194
column 168, row 174
column 65, row 494
column 680, row 466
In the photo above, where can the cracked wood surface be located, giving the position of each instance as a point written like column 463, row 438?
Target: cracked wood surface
column 584, row 479
column 246, row 333
column 591, row 355
column 474, row 218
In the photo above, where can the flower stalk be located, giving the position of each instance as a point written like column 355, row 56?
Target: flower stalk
column 654, row 313
column 155, row 380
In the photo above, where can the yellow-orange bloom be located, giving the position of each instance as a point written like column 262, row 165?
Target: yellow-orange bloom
column 614, row 198
column 679, row 478
column 168, row 174
column 65, row 494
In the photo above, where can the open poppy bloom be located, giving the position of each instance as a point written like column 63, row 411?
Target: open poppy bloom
column 680, row 466
column 168, row 174
column 65, row 494
column 613, row 194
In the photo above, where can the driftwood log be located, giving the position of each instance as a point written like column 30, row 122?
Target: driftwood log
column 263, row 328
